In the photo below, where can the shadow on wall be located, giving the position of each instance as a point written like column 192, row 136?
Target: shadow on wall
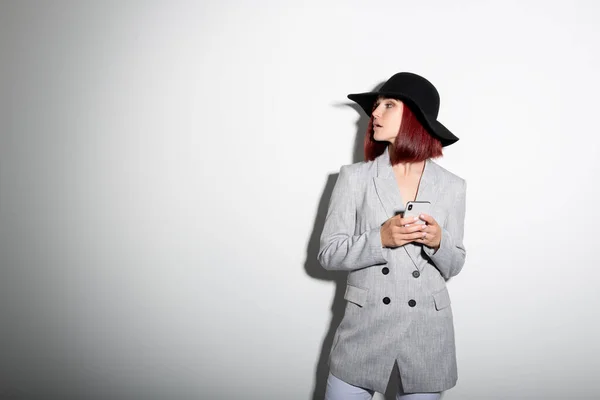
column 315, row 270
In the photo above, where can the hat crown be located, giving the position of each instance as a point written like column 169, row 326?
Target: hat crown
column 415, row 87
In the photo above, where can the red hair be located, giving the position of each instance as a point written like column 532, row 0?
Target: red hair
column 413, row 143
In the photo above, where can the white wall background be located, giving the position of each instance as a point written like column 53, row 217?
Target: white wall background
column 165, row 169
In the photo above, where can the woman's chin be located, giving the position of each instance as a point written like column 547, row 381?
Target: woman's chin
column 380, row 138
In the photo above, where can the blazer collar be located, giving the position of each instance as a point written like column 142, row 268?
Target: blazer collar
column 391, row 198
column 387, row 187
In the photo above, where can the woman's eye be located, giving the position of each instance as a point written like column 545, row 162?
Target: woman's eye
column 388, row 105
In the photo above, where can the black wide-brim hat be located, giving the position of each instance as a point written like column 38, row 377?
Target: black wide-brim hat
column 418, row 94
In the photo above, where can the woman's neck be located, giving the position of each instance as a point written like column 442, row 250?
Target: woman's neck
column 406, row 169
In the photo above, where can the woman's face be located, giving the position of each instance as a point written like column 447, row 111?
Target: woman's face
column 387, row 117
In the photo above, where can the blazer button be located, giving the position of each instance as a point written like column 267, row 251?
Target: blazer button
column 416, row 274
column 411, row 303
column 386, row 300
column 385, row 270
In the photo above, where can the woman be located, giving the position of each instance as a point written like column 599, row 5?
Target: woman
column 398, row 308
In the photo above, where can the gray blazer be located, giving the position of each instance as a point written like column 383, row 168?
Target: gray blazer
column 415, row 327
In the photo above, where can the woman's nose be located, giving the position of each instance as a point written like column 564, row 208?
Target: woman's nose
column 376, row 112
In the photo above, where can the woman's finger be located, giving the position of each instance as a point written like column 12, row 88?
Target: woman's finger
column 410, row 229
column 428, row 218
column 403, row 221
column 407, row 237
column 414, row 236
column 431, row 230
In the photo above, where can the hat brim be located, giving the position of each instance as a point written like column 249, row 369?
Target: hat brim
column 432, row 125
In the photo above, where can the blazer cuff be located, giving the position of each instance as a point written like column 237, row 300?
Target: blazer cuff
column 375, row 246
column 444, row 252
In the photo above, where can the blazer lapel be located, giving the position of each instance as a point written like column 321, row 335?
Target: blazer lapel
column 425, row 192
column 387, row 187
column 391, row 198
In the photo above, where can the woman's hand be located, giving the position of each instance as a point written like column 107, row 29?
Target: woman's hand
column 398, row 231
column 432, row 234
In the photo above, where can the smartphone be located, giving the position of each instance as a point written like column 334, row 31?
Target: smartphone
column 416, row 208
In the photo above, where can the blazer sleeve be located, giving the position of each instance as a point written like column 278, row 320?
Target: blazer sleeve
column 340, row 248
column 449, row 258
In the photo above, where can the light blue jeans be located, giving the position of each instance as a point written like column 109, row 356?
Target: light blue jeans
column 337, row 389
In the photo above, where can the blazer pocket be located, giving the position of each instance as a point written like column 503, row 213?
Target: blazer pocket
column 356, row 295
column 441, row 299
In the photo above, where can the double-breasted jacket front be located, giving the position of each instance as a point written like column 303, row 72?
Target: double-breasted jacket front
column 398, row 307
